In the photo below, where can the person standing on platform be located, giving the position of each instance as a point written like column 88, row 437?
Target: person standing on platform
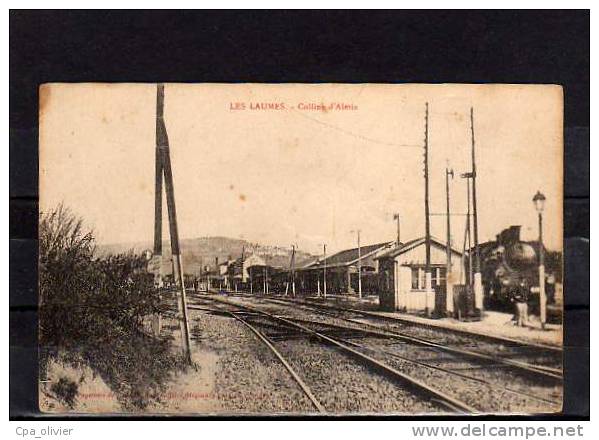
column 520, row 299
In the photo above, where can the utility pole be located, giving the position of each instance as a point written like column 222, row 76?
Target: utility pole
column 242, row 267
column 396, row 217
column 324, row 278
column 292, row 270
column 448, row 269
column 216, row 270
column 163, row 145
column 478, row 285
column 468, row 232
column 427, row 269
column 157, row 256
column 265, row 275
column 202, row 270
column 359, row 267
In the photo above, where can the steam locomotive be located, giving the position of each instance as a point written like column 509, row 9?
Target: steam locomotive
column 510, row 264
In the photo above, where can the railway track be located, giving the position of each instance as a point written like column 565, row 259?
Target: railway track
column 467, row 348
column 399, row 319
column 390, row 361
column 306, row 390
column 245, row 314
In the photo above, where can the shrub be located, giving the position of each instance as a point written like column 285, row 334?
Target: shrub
column 65, row 390
column 92, row 311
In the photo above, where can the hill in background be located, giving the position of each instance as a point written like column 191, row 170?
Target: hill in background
column 202, row 252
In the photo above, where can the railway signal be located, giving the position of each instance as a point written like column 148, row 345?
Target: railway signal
column 164, row 170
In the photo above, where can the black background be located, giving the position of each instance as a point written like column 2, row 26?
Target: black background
column 284, row 46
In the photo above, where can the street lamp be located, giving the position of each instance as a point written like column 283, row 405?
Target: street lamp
column 539, row 201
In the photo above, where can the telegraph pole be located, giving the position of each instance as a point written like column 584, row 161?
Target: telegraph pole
column 163, row 145
column 242, row 267
column 448, row 269
column 478, row 285
column 265, row 274
column 359, row 267
column 157, row 256
column 427, row 270
column 292, row 270
column 324, row 279
column 396, row 217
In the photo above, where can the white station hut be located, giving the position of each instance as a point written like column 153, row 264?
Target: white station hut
column 402, row 283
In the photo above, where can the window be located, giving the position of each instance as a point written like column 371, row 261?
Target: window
column 438, row 276
column 418, row 278
column 415, row 280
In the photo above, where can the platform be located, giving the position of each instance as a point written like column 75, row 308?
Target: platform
column 495, row 324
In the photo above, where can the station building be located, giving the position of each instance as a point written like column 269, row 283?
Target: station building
column 402, row 275
column 342, row 271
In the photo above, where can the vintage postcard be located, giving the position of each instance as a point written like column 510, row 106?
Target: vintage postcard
column 333, row 249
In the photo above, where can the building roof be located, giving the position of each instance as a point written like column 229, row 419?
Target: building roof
column 409, row 245
column 350, row 256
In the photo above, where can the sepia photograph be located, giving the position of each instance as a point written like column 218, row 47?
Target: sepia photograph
column 301, row 249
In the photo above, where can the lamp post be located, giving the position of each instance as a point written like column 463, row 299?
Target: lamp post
column 539, row 201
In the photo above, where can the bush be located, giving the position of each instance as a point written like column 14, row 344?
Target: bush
column 65, row 390
column 92, row 311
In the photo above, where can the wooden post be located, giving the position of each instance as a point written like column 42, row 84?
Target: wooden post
column 163, row 145
column 396, row 217
column 359, row 267
column 292, row 270
column 158, row 215
column 542, row 294
column 266, row 274
column 427, row 235
column 157, row 254
column 469, row 226
column 449, row 268
column 324, row 280
column 478, row 286
column 243, row 279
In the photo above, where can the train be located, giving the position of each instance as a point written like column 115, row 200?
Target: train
column 509, row 264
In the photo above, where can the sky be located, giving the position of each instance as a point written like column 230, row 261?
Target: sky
column 302, row 175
